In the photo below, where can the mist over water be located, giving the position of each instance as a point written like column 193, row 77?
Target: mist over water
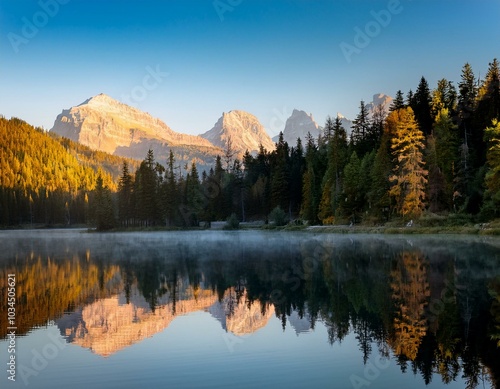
column 255, row 308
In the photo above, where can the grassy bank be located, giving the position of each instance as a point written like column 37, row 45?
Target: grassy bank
column 427, row 225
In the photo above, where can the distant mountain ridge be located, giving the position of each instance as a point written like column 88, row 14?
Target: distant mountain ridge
column 378, row 99
column 105, row 124
column 299, row 124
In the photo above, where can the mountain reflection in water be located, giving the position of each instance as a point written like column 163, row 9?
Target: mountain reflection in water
column 431, row 303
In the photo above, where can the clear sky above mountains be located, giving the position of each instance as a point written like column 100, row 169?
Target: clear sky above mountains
column 188, row 61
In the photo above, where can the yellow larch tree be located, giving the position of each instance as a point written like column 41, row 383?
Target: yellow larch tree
column 410, row 177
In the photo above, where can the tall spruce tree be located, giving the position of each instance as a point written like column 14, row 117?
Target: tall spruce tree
column 422, row 107
column 146, row 190
column 398, row 102
column 446, row 147
column 376, row 128
column 169, row 191
column 380, row 173
column 297, row 166
column 466, row 102
column 194, row 200
column 352, row 197
column 360, row 130
column 332, row 187
column 469, row 139
column 102, row 206
column 488, row 109
column 462, row 180
column 365, row 182
column 310, row 204
column 238, row 205
column 436, row 188
column 492, row 179
column 410, row 99
column 125, row 204
column 280, row 189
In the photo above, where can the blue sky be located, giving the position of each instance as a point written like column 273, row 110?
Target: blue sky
column 186, row 62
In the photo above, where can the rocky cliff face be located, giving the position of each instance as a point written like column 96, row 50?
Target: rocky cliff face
column 379, row 99
column 244, row 130
column 105, row 124
column 297, row 126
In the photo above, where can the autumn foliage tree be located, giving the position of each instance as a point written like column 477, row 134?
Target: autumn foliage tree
column 410, row 293
column 410, row 177
column 49, row 180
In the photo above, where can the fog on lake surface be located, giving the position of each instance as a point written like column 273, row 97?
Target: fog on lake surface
column 207, row 309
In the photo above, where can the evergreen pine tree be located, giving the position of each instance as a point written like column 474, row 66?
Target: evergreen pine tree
column 398, row 102
column 125, row 205
column 280, row 195
column 492, row 179
column 380, row 173
column 297, row 166
column 446, row 148
column 352, row 197
column 331, row 187
column 360, row 129
column 103, row 207
column 194, row 201
column 462, row 180
column 488, row 109
column 170, row 195
column 466, row 103
column 410, row 99
column 436, row 189
column 365, row 182
column 309, row 207
column 376, row 128
column 422, row 107
column 328, row 129
column 217, row 197
column 146, row 190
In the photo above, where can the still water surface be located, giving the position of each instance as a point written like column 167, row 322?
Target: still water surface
column 251, row 310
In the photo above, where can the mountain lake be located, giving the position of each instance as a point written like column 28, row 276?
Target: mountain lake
column 248, row 309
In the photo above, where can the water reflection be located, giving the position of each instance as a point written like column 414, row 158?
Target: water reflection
column 111, row 324
column 434, row 304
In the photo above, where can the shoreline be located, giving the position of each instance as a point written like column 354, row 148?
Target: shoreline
column 478, row 229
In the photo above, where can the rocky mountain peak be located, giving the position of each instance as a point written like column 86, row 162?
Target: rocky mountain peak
column 379, row 99
column 244, row 130
column 297, row 126
column 105, row 124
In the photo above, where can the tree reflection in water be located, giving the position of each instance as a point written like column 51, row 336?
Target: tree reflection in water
column 432, row 306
